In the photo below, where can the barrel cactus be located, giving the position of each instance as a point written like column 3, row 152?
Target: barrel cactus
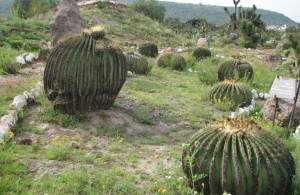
column 172, row 60
column 239, row 157
column 148, row 49
column 235, row 69
column 138, row 64
column 85, row 72
column 237, row 93
column 201, row 53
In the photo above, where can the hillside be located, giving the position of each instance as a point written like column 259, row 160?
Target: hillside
column 5, row 8
column 214, row 14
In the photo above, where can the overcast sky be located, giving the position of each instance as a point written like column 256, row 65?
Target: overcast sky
column 290, row 8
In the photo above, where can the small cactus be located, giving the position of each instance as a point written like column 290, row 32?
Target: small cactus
column 239, row 93
column 148, row 50
column 235, row 69
column 201, row 53
column 85, row 72
column 172, row 60
column 239, row 157
column 138, row 64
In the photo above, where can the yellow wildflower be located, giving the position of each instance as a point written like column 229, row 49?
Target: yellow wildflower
column 11, row 134
column 156, row 156
column 80, row 139
column 66, row 137
column 121, row 140
column 53, row 143
column 163, row 191
column 57, row 137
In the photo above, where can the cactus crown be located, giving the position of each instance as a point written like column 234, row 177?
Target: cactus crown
column 97, row 32
column 237, row 127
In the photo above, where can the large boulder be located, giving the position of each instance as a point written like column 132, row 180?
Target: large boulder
column 66, row 21
column 284, row 109
column 203, row 42
column 273, row 60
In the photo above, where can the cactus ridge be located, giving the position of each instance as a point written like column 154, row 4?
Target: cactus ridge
column 138, row 64
column 239, row 157
column 235, row 69
column 239, row 93
column 79, row 76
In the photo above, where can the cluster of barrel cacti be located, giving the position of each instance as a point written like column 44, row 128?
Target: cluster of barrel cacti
column 234, row 91
column 85, row 72
column 235, row 69
column 138, row 64
column 173, row 60
column 238, row 157
column 148, row 50
column 201, row 53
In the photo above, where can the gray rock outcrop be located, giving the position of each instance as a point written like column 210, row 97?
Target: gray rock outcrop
column 273, row 60
column 284, row 110
column 66, row 21
column 203, row 42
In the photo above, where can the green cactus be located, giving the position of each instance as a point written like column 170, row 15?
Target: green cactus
column 201, row 53
column 239, row 157
column 138, row 64
column 172, row 60
column 230, row 90
column 233, row 69
column 148, row 50
column 85, row 72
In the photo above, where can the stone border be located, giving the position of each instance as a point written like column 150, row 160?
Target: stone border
column 9, row 121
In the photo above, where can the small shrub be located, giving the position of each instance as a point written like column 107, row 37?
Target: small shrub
column 148, row 49
column 201, row 53
column 143, row 115
column 172, row 60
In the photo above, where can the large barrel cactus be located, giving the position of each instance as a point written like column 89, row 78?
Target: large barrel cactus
column 235, row 69
column 238, row 93
column 172, row 60
column 148, row 50
column 239, row 157
column 201, row 53
column 85, row 72
column 138, row 64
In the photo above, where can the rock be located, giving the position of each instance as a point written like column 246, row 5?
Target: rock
column 4, row 128
column 21, row 60
column 233, row 36
column 203, row 42
column 261, row 95
column 75, row 144
column 26, row 58
column 28, row 96
column 129, row 74
column 190, row 70
column 36, row 92
column 26, row 141
column 233, row 115
column 297, row 133
column 10, row 119
column 66, row 21
column 284, row 110
column 273, row 60
column 19, row 102
column 279, row 46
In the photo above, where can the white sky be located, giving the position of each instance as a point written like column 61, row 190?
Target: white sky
column 290, row 8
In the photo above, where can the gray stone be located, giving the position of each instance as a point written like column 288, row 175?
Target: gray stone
column 233, row 36
column 203, row 42
column 273, row 60
column 67, row 21
column 129, row 74
column 284, row 109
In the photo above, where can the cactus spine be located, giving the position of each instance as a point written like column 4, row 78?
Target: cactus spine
column 234, row 69
column 239, row 157
column 239, row 93
column 85, row 72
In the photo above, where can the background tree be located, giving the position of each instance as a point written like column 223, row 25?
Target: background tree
column 233, row 16
column 292, row 42
column 150, row 8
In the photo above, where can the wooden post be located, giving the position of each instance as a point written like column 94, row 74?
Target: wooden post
column 275, row 109
column 294, row 107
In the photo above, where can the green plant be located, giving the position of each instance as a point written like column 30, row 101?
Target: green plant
column 44, row 54
column 150, row 8
column 201, row 53
column 172, row 60
column 59, row 148
column 231, row 91
column 235, row 69
column 143, row 115
column 85, row 73
column 138, row 64
column 6, row 61
column 148, row 49
column 239, row 157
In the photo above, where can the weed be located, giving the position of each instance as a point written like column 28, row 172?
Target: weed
column 111, row 131
column 143, row 115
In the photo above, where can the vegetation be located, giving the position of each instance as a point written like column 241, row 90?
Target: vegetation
column 238, row 157
column 150, row 8
column 138, row 64
column 201, row 53
column 172, row 60
column 148, row 50
column 149, row 124
column 235, row 69
column 98, row 79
